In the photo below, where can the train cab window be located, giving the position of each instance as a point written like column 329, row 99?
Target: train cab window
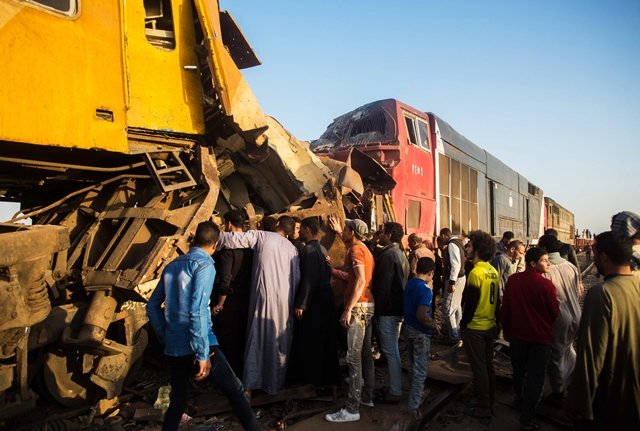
column 417, row 132
column 413, row 214
column 423, row 135
column 65, row 7
column 369, row 127
column 411, row 130
column 158, row 23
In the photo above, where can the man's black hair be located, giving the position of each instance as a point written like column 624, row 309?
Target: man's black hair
column 286, row 224
column 534, row 254
column 617, row 246
column 207, row 234
column 445, row 231
column 550, row 243
column 508, row 235
column 269, row 223
column 551, row 231
column 395, row 230
column 483, row 244
column 311, row 223
column 236, row 217
column 425, row 265
column 515, row 243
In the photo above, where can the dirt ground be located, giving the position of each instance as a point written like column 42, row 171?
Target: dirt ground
column 449, row 387
column 452, row 415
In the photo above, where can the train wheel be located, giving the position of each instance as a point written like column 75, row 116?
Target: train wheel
column 64, row 381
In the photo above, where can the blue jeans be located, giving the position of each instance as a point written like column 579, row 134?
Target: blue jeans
column 452, row 309
column 419, row 345
column 388, row 334
column 529, row 362
column 359, row 356
column 182, row 369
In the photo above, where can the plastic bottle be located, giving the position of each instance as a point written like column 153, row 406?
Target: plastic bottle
column 162, row 402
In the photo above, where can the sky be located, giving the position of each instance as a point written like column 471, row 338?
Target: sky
column 552, row 88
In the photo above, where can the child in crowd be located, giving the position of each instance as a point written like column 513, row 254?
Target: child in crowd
column 418, row 329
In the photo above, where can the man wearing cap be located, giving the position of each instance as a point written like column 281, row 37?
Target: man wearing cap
column 628, row 223
column 356, row 317
column 566, row 251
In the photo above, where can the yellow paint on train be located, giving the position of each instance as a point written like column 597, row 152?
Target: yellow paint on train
column 88, row 79
column 50, row 88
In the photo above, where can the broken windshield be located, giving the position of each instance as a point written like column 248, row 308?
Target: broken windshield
column 364, row 126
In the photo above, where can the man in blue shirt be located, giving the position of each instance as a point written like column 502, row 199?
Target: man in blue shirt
column 418, row 328
column 184, row 327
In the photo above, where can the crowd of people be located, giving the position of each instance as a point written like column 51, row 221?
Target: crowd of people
column 274, row 318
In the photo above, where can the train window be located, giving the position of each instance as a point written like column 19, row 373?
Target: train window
column 158, row 23
column 464, row 182
column 423, row 135
column 413, row 214
column 411, row 130
column 456, row 225
column 444, row 211
column 473, row 185
column 65, row 7
column 473, row 212
column 464, row 217
column 455, row 179
column 444, row 174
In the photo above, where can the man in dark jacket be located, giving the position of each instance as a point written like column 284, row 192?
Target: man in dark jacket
column 314, row 357
column 231, row 294
column 389, row 278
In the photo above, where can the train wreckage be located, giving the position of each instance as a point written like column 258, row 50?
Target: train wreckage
column 122, row 126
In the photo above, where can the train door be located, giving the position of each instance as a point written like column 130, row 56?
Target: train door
column 162, row 74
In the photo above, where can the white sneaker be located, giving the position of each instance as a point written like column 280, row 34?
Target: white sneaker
column 366, row 403
column 343, row 416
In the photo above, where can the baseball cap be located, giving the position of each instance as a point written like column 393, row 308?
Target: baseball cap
column 358, row 227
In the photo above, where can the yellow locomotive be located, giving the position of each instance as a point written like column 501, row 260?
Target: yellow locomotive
column 123, row 124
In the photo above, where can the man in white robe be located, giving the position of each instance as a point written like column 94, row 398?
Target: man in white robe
column 565, row 277
column 274, row 280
